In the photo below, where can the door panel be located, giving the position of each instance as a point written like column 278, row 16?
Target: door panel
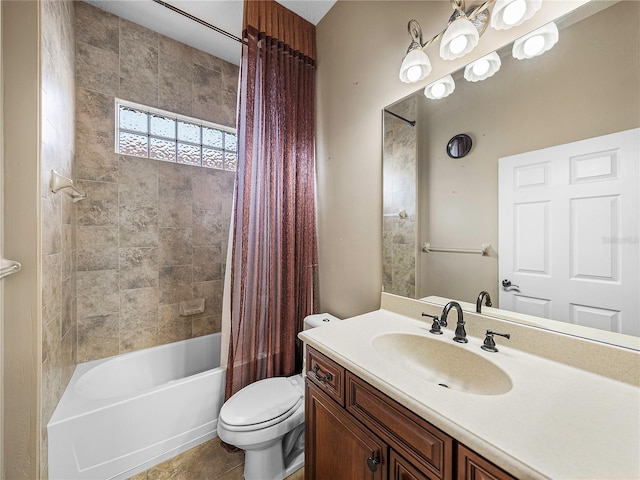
column 568, row 232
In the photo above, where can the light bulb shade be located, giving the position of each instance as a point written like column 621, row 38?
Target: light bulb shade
column 511, row 13
column 460, row 37
column 482, row 68
column 415, row 66
column 440, row 88
column 536, row 43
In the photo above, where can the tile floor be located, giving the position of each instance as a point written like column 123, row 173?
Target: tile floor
column 208, row 461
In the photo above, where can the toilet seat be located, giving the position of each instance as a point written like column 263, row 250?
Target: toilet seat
column 261, row 404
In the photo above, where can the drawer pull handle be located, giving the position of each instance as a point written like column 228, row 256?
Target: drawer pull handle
column 321, row 378
column 372, row 463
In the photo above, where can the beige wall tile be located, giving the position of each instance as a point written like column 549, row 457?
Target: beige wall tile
column 138, row 226
column 171, row 326
column 51, row 225
column 206, row 325
column 176, row 284
column 139, row 62
column 97, row 248
column 97, row 69
column 95, row 113
column 138, row 309
column 51, row 287
column 96, row 27
column 212, row 294
column 138, row 34
column 175, row 92
column 97, row 337
column 136, row 90
column 138, row 182
column 176, row 247
column 98, row 292
column 134, row 249
column 207, row 263
column 138, row 267
column 132, row 340
column 100, row 208
column 97, row 158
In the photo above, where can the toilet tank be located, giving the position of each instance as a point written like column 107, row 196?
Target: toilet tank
column 314, row 321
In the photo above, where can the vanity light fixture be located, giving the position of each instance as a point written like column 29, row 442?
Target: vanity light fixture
column 536, row 43
column 440, row 88
column 463, row 32
column 482, row 68
column 416, row 64
column 511, row 13
column 460, row 38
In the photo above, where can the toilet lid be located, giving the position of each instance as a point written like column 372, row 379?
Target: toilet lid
column 263, row 402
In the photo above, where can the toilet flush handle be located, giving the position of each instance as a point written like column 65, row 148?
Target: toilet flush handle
column 321, row 378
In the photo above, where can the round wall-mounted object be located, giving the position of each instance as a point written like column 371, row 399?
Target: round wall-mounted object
column 459, row 146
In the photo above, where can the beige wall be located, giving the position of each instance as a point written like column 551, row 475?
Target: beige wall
column 58, row 220
column 360, row 46
column 151, row 233
column 22, row 353
column 557, row 98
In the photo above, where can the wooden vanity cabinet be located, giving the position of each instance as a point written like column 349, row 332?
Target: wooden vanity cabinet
column 473, row 467
column 341, row 447
column 355, row 432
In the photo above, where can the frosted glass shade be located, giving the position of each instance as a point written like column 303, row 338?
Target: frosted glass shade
column 460, row 37
column 536, row 43
column 440, row 88
column 510, row 13
column 415, row 66
column 482, row 68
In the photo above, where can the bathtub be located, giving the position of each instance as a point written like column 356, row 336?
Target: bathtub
column 122, row 415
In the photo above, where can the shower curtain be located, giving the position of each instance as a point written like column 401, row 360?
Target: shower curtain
column 274, row 238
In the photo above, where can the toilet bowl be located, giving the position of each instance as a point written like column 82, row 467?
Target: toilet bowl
column 266, row 419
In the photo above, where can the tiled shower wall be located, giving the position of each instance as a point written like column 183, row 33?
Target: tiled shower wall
column 150, row 234
column 58, row 219
column 399, row 190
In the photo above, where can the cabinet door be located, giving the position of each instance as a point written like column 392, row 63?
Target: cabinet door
column 400, row 469
column 337, row 447
column 472, row 466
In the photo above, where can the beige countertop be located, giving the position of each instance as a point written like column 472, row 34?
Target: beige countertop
column 556, row 422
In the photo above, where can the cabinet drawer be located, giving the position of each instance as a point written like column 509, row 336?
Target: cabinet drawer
column 326, row 374
column 472, row 466
column 400, row 469
column 414, row 438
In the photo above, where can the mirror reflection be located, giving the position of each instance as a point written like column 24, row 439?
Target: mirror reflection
column 584, row 88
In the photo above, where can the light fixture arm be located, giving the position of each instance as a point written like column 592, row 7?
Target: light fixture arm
column 415, row 31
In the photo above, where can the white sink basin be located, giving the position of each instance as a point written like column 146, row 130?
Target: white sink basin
column 448, row 365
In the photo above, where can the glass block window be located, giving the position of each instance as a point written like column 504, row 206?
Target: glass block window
column 148, row 132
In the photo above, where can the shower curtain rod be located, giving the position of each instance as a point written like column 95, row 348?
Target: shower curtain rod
column 199, row 20
column 410, row 122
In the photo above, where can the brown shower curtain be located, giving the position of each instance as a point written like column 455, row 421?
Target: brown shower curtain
column 274, row 237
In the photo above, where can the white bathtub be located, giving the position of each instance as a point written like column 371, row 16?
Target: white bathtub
column 122, row 415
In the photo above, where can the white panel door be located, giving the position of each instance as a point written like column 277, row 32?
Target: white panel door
column 568, row 232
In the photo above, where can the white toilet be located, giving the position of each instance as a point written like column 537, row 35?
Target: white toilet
column 266, row 419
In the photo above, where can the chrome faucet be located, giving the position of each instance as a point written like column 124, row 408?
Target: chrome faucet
column 483, row 296
column 461, row 334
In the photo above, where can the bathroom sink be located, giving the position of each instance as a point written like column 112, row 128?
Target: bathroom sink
column 448, row 365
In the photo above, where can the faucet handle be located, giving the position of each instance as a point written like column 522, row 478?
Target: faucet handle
column 435, row 327
column 489, row 343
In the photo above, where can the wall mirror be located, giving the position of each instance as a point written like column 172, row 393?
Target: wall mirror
column 585, row 87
